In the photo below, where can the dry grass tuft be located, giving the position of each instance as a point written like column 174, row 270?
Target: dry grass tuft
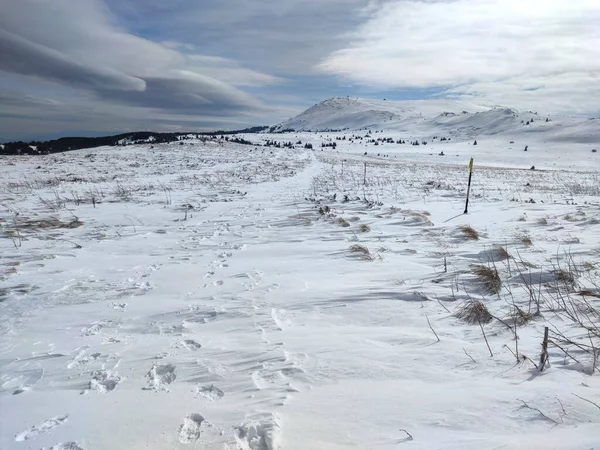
column 521, row 317
column 489, row 277
column 361, row 252
column 342, row 222
column 542, row 221
column 357, row 248
column 526, row 240
column 499, row 253
column 51, row 223
column 469, row 232
column 421, row 216
column 474, row 312
column 589, row 293
column 565, row 276
column 364, row 228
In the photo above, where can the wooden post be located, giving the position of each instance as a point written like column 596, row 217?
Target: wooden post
column 469, row 186
column 544, row 355
column 365, row 176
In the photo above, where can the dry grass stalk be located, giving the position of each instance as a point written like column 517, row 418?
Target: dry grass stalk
column 361, row 252
column 589, row 293
column 422, row 216
column 469, row 232
column 343, row 222
column 474, row 312
column 364, row 228
column 521, row 317
column 489, row 277
column 357, row 248
column 526, row 240
column 499, row 253
column 51, row 223
column 565, row 276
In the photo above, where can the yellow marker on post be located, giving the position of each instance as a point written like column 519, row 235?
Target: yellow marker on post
column 469, row 186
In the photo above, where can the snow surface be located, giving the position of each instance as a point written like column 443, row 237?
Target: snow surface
column 194, row 296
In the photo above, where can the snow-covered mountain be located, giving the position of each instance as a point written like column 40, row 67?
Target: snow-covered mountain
column 448, row 117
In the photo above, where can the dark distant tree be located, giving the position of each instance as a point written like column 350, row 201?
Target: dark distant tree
column 475, row 143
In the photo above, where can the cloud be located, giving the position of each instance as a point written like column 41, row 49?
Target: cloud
column 282, row 37
column 19, row 55
column 15, row 99
column 571, row 93
column 480, row 48
column 81, row 45
column 231, row 72
column 186, row 92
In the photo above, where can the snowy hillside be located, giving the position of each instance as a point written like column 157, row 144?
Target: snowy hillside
column 431, row 117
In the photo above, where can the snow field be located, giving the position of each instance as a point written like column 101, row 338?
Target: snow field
column 218, row 296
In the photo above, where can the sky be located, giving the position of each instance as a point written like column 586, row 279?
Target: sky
column 97, row 67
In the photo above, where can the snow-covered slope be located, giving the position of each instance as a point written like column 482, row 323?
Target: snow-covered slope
column 432, row 117
column 205, row 294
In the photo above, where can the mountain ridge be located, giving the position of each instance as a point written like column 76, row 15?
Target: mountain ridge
column 457, row 118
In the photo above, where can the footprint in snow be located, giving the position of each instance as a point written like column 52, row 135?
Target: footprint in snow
column 118, row 306
column 22, row 381
column 65, row 446
column 160, row 376
column 209, row 392
column 104, row 381
column 191, row 345
column 93, row 329
column 191, row 429
column 41, row 428
column 83, row 358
